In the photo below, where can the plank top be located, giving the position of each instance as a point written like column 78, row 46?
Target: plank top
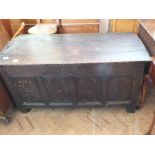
column 74, row 49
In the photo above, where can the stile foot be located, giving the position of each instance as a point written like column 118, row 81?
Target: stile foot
column 25, row 110
column 131, row 109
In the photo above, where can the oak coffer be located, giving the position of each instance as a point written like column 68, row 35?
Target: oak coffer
column 74, row 70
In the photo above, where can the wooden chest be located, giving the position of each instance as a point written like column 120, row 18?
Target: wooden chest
column 74, row 70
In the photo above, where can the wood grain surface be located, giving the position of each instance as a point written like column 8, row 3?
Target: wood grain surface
column 72, row 49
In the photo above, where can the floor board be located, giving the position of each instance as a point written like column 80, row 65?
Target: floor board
column 106, row 120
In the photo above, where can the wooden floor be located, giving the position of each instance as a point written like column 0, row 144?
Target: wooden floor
column 106, row 120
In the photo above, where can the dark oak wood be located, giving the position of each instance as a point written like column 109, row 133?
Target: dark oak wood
column 74, row 49
column 74, row 70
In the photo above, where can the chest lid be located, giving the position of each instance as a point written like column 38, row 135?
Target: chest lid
column 74, row 49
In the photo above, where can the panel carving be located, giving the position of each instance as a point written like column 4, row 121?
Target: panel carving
column 58, row 89
column 120, row 88
column 88, row 89
column 27, row 89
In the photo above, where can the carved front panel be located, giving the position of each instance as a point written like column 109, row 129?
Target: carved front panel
column 58, row 89
column 88, row 89
column 27, row 89
column 119, row 88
